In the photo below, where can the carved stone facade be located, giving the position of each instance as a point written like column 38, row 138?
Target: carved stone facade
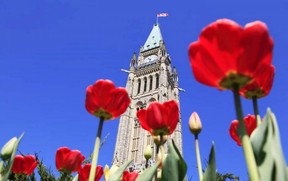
column 151, row 78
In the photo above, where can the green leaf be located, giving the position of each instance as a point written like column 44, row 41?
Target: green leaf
column 174, row 167
column 149, row 173
column 11, row 160
column 210, row 172
column 1, row 166
column 268, row 150
column 117, row 176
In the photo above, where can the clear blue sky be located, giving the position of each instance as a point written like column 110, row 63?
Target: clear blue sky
column 50, row 51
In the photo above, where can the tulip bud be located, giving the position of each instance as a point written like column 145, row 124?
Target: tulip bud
column 195, row 124
column 157, row 139
column 8, row 148
column 148, row 152
column 159, row 174
column 106, row 172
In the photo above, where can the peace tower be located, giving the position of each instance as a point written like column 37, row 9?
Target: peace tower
column 150, row 78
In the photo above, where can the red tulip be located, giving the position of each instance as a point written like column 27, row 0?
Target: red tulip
column 250, row 124
column 103, row 99
column 85, row 171
column 262, row 83
column 24, row 164
column 129, row 176
column 159, row 118
column 227, row 54
column 68, row 160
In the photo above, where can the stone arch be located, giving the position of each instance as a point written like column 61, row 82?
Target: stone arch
column 152, row 99
column 139, row 105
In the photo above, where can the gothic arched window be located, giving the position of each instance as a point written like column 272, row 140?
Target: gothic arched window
column 139, row 86
column 157, row 81
column 151, row 82
column 136, row 139
column 145, row 84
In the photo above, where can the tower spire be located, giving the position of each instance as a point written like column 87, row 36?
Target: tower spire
column 154, row 38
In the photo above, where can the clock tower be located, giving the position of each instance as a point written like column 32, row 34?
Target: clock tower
column 150, row 78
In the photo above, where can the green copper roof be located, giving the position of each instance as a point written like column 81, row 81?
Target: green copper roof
column 154, row 38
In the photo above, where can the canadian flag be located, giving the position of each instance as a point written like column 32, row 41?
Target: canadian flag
column 162, row 14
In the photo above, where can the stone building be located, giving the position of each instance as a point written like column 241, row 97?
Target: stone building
column 150, row 78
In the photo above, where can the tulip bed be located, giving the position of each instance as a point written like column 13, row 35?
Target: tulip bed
column 227, row 57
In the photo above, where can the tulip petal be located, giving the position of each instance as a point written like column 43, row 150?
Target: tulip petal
column 221, row 41
column 24, row 164
column 233, row 132
column 142, row 117
column 262, row 84
column 90, row 104
column 73, row 161
column 172, row 112
column 60, row 156
column 129, row 176
column 257, row 45
column 118, row 103
column 18, row 165
column 85, row 171
column 30, row 164
column 159, row 118
column 250, row 123
column 200, row 62
column 155, row 116
column 102, row 92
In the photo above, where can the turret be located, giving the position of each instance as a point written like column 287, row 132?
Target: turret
column 133, row 62
column 175, row 77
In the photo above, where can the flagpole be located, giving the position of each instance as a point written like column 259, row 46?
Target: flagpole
column 160, row 15
column 156, row 19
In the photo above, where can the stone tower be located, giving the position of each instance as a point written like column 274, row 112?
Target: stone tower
column 150, row 78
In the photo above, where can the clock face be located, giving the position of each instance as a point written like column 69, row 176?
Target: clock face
column 150, row 58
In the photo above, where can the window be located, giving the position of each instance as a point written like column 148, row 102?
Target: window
column 136, row 138
column 151, row 83
column 139, row 86
column 157, row 81
column 148, row 139
column 139, row 105
column 145, row 84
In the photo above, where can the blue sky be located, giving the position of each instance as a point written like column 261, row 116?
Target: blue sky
column 50, row 51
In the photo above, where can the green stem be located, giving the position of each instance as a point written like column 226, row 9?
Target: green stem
column 256, row 110
column 199, row 165
column 96, row 150
column 162, row 154
column 247, row 147
column 161, row 148
column 146, row 163
column 63, row 176
column 157, row 152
